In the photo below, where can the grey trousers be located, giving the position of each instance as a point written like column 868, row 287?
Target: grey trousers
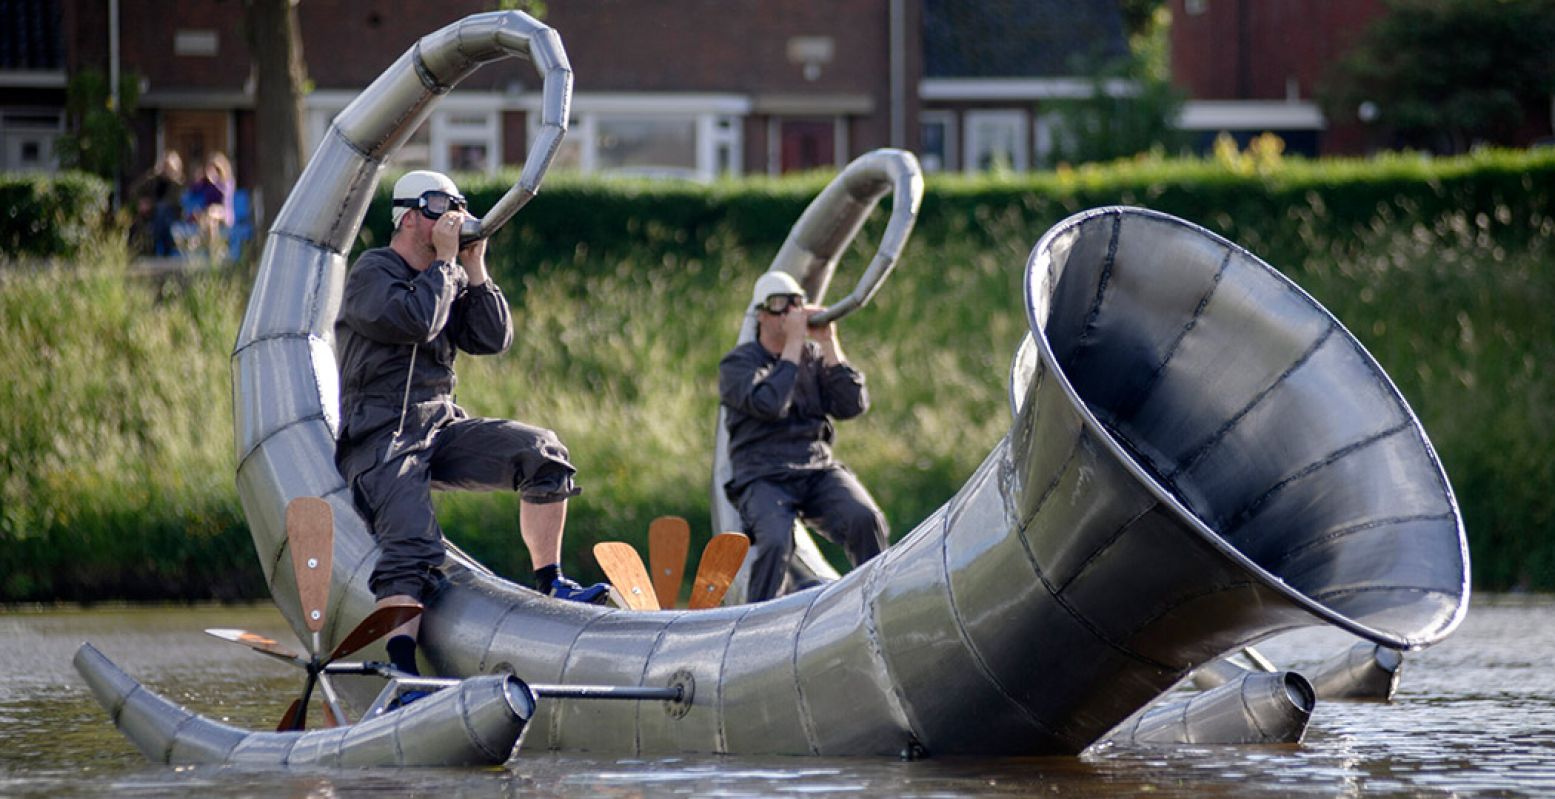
column 393, row 490
column 830, row 501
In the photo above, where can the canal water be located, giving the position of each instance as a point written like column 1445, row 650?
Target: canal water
column 1474, row 716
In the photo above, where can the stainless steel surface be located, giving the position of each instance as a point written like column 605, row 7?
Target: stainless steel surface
column 1365, row 672
column 1362, row 671
column 474, row 722
column 1254, row 708
column 817, row 241
column 1200, row 457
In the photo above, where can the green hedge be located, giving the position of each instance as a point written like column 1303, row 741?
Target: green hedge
column 115, row 450
column 50, row 215
column 1280, row 209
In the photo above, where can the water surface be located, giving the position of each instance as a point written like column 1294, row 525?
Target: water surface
column 1474, row 715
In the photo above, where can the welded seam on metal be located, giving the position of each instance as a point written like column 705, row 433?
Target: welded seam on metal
column 301, row 334
column 470, row 728
column 561, row 677
column 1187, row 729
column 959, row 623
column 1356, row 528
column 1247, row 710
column 1107, row 544
column 1183, row 600
column 723, row 668
column 1236, row 520
column 893, row 694
column 485, row 664
column 172, row 740
column 1139, row 396
column 399, row 748
column 304, row 240
column 1101, row 282
column 1058, row 477
column 1215, row 437
column 806, row 721
column 642, row 679
column 301, row 420
column 1058, row 597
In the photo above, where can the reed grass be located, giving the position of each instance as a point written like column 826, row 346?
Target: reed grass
column 116, row 462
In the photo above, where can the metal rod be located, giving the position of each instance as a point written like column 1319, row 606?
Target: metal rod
column 672, row 693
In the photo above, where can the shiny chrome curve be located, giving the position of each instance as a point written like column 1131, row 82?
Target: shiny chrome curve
column 1062, row 589
column 475, row 723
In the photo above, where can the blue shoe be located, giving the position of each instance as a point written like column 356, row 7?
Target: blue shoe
column 571, row 591
column 406, row 698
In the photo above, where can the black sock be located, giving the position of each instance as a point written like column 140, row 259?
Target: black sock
column 402, row 653
column 545, row 577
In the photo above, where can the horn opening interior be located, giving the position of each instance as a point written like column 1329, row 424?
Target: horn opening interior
column 1252, row 406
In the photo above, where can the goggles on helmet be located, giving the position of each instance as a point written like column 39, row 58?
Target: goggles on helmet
column 433, row 204
column 781, row 303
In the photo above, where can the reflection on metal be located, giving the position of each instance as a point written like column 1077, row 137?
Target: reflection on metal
column 815, row 244
column 1199, row 456
column 1253, row 708
column 285, row 381
column 1364, row 672
column 477, row 722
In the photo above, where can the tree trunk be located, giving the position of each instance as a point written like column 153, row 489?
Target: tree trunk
column 276, row 43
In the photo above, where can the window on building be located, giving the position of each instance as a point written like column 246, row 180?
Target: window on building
column 646, row 145
column 27, row 139
column 996, row 140
column 937, row 140
column 464, row 134
column 665, row 137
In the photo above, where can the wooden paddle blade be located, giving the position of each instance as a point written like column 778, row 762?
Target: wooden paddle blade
column 720, row 562
column 624, row 567
column 295, row 718
column 379, row 623
column 256, row 642
column 669, row 540
column 310, row 531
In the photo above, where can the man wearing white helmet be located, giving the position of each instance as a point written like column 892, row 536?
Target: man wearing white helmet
column 781, row 392
column 407, row 309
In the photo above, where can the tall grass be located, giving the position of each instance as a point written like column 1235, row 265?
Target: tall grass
column 116, row 463
column 115, row 435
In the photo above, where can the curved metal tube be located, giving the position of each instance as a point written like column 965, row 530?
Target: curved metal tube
column 477, row 722
column 285, row 384
column 1255, row 708
column 810, row 253
column 1364, row 672
column 1200, row 456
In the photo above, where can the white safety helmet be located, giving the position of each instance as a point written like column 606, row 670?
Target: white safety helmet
column 414, row 184
column 773, row 284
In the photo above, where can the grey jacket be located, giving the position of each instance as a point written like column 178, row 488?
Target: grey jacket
column 388, row 310
column 780, row 413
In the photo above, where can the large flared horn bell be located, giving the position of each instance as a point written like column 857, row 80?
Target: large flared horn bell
column 1201, row 456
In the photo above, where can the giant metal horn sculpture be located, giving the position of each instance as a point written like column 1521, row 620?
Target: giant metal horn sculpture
column 828, row 225
column 1200, row 456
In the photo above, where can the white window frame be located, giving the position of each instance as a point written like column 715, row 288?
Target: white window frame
column 13, row 133
column 322, row 107
column 947, row 118
column 706, row 111
column 1014, row 119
